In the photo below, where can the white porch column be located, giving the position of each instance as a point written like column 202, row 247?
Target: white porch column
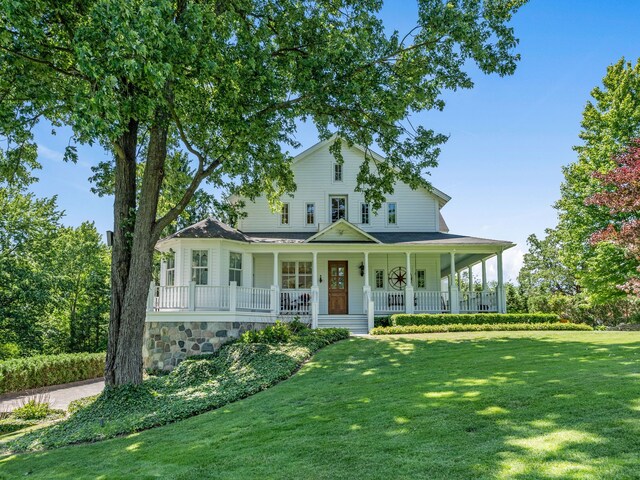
column 366, row 290
column 275, row 293
column 192, row 296
column 151, row 296
column 454, row 304
column 409, row 302
column 315, row 292
column 233, row 296
column 470, row 275
column 502, row 300
column 247, row 270
column 484, row 275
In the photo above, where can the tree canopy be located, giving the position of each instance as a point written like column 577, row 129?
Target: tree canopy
column 225, row 83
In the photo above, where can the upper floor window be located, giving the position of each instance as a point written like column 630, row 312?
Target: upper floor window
column 170, row 279
column 338, row 208
column 235, row 268
column 364, row 213
column 337, row 172
column 392, row 214
column 311, row 213
column 284, row 214
column 296, row 274
column 200, row 266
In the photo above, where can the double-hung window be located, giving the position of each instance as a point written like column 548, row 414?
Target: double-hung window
column 311, row 213
column 200, row 266
column 392, row 213
column 170, row 278
column 296, row 275
column 337, row 172
column 284, row 214
column 364, row 213
column 235, row 268
column 379, row 279
column 338, row 208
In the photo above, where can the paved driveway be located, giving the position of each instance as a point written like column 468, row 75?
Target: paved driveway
column 59, row 396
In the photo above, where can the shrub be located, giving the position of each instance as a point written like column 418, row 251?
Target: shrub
column 43, row 370
column 277, row 333
column 471, row 318
column 382, row 321
column 34, row 409
column 12, row 424
column 461, row 327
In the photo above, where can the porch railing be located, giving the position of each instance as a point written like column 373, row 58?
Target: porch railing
column 388, row 301
column 254, row 299
column 210, row 298
column 295, row 302
column 472, row 302
column 431, row 302
column 170, row 298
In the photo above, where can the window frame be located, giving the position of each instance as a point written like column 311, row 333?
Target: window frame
column 362, row 213
column 296, row 274
column 285, row 212
column 338, row 168
column 346, row 207
column 424, row 278
column 170, row 270
column 236, row 271
column 375, row 278
column 313, row 213
column 199, row 268
column 395, row 213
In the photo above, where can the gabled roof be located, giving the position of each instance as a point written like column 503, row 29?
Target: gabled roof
column 339, row 228
column 444, row 198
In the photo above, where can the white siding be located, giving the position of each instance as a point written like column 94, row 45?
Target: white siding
column 417, row 210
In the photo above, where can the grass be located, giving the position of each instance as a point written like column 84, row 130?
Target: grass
column 452, row 405
column 481, row 327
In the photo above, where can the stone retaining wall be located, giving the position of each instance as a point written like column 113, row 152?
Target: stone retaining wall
column 166, row 344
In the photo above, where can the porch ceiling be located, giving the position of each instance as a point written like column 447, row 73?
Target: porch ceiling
column 463, row 260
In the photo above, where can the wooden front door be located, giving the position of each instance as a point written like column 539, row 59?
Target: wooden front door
column 338, row 288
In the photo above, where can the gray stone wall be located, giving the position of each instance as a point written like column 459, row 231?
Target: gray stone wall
column 166, row 344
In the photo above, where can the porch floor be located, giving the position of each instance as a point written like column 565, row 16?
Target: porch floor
column 357, row 324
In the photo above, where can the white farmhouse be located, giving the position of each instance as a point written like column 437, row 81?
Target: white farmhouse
column 325, row 257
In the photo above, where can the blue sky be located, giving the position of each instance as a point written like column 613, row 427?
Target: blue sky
column 509, row 137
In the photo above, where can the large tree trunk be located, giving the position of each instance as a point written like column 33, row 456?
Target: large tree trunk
column 126, row 334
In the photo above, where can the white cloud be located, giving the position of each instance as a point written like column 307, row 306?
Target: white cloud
column 49, row 154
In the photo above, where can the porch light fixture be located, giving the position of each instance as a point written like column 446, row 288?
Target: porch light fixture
column 320, row 279
column 361, row 267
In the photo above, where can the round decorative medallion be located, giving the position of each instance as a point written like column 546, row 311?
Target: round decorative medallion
column 398, row 278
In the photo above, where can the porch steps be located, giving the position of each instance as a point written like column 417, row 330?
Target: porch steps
column 357, row 324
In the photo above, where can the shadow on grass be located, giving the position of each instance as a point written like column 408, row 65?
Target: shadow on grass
column 539, row 406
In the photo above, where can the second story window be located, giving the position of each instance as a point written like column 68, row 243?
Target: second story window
column 284, row 214
column 235, row 268
column 311, row 213
column 392, row 214
column 364, row 213
column 338, row 208
column 337, row 172
column 170, row 280
column 200, row 266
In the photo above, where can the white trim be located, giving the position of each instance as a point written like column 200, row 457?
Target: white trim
column 306, row 213
column 335, row 164
column 288, row 205
column 386, row 219
column 368, row 213
column 342, row 221
column 346, row 207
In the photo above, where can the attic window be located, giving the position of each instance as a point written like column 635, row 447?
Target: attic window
column 337, row 172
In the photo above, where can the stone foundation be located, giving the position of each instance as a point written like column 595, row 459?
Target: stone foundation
column 166, row 344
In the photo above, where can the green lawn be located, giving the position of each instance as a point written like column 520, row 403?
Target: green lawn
column 459, row 405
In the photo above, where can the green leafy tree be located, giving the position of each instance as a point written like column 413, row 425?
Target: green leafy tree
column 610, row 120
column 228, row 80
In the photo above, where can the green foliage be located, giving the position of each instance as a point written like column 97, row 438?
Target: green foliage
column 610, row 121
column 12, row 424
column 34, row 409
column 278, row 333
column 516, row 298
column 485, row 327
column 197, row 385
column 400, row 319
column 9, row 350
column 382, row 321
column 42, row 370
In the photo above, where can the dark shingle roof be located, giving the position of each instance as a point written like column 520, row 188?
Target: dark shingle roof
column 212, row 228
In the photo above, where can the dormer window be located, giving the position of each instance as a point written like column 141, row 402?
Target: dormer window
column 392, row 214
column 337, row 172
column 284, row 214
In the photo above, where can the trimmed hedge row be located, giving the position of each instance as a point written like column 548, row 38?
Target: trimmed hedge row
column 471, row 318
column 43, row 370
column 460, row 327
